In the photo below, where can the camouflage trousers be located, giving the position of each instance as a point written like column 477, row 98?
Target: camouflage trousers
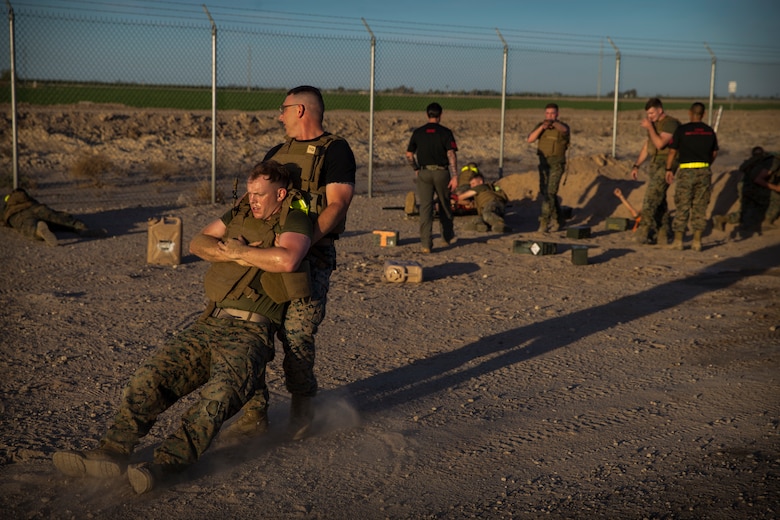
column 26, row 220
column 302, row 319
column 551, row 171
column 655, row 210
column 225, row 358
column 691, row 198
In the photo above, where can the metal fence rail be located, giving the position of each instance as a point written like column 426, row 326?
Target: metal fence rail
column 54, row 58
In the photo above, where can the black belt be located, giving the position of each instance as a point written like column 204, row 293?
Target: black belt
column 434, row 167
column 238, row 314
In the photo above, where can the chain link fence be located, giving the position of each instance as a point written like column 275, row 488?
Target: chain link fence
column 81, row 61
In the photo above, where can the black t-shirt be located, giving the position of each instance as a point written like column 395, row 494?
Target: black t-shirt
column 431, row 144
column 694, row 142
column 338, row 166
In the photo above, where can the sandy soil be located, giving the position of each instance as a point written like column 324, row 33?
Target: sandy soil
column 506, row 385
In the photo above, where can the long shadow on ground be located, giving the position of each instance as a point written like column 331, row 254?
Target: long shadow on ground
column 439, row 372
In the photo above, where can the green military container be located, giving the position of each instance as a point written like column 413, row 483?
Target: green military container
column 534, row 247
column 617, row 224
column 579, row 255
column 578, row 232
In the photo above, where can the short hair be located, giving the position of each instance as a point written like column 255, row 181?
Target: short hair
column 552, row 105
column 654, row 102
column 697, row 108
column 316, row 105
column 477, row 175
column 275, row 171
column 757, row 151
column 434, row 110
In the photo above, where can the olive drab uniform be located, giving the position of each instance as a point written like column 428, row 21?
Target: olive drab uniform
column 491, row 205
column 223, row 354
column 551, row 149
column 23, row 213
column 654, row 215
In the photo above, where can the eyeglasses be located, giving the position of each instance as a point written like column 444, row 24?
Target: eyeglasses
column 283, row 107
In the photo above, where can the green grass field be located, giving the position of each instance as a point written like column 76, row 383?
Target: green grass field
column 258, row 100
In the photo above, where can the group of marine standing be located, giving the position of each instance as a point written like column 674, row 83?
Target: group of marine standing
column 674, row 152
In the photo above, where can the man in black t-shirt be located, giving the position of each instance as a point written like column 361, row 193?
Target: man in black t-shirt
column 436, row 172
column 323, row 166
column 695, row 146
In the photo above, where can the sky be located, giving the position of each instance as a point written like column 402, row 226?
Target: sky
column 648, row 35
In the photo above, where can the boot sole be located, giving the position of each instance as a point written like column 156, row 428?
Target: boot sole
column 45, row 233
column 141, row 479
column 75, row 464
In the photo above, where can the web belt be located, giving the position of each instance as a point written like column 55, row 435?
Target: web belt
column 238, row 314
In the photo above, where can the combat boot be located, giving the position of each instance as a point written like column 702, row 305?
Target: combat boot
column 696, row 246
column 145, row 476
column 640, row 235
column 719, row 222
column 43, row 232
column 678, row 241
column 662, row 238
column 252, row 422
column 301, row 416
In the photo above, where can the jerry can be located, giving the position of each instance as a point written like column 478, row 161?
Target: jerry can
column 164, row 243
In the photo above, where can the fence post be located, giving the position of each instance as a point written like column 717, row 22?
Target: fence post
column 371, row 112
column 712, row 82
column 503, row 108
column 213, row 107
column 14, row 127
column 617, row 86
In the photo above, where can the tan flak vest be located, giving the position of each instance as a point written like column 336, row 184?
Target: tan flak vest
column 553, row 143
column 304, row 162
column 668, row 124
column 229, row 280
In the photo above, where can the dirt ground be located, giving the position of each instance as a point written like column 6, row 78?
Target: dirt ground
column 505, row 385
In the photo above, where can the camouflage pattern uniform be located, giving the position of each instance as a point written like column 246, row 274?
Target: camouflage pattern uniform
column 226, row 358
column 696, row 146
column 223, row 356
column 691, row 198
column 552, row 165
column 773, row 210
column 654, row 216
column 301, row 322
